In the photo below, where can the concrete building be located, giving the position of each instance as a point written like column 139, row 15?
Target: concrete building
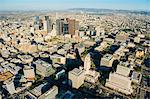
column 76, row 76
column 58, row 59
column 40, row 92
column 121, row 37
column 107, row 60
column 137, row 39
column 92, row 76
column 119, row 83
column 47, row 24
column 29, row 72
column 123, row 69
column 10, row 86
column 43, row 68
column 139, row 53
column 87, row 63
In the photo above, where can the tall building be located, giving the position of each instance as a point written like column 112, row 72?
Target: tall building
column 65, row 27
column 77, row 77
column 73, row 25
column 59, row 26
column 47, row 24
column 87, row 62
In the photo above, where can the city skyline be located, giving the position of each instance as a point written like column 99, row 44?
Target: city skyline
column 66, row 4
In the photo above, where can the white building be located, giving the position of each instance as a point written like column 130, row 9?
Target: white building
column 87, row 62
column 10, row 86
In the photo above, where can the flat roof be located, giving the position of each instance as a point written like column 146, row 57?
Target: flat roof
column 5, row 76
column 76, row 71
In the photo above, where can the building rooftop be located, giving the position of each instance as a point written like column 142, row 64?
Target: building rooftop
column 108, row 56
column 5, row 76
column 76, row 71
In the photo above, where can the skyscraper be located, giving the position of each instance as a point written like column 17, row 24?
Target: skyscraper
column 47, row 24
column 59, row 26
column 73, row 25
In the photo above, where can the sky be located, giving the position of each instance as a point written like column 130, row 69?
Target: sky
column 66, row 4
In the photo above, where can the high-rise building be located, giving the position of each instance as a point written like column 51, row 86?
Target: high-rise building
column 65, row 27
column 120, row 79
column 73, row 25
column 47, row 24
column 120, row 83
column 87, row 62
column 59, row 26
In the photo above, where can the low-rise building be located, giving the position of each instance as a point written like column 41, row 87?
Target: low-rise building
column 40, row 92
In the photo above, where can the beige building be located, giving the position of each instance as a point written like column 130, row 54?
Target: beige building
column 10, row 86
column 43, row 68
column 119, row 83
column 92, row 76
column 37, row 93
column 139, row 53
column 77, row 77
column 120, row 80
column 58, row 59
column 137, row 39
column 29, row 72
column 123, row 69
column 121, row 37
column 107, row 60
column 87, row 62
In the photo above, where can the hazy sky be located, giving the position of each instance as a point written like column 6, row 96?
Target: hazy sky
column 65, row 4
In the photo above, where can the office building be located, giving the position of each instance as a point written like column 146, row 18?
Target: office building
column 29, row 73
column 43, row 68
column 59, row 26
column 47, row 24
column 87, row 62
column 121, row 37
column 76, row 76
column 73, row 26
column 10, row 86
column 123, row 68
column 107, row 60
column 43, row 91
column 119, row 83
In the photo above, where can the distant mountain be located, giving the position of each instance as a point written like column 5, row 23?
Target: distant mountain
column 96, row 10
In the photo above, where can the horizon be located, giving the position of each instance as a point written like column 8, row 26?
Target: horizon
column 35, row 5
